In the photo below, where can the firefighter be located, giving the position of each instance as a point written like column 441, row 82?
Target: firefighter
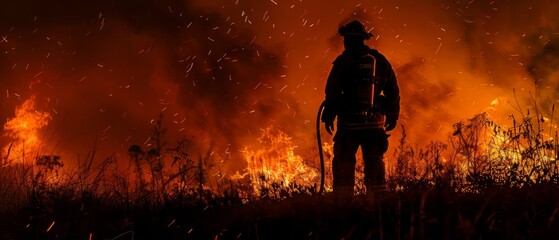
column 362, row 92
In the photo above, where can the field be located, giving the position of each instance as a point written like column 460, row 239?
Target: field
column 528, row 213
column 486, row 182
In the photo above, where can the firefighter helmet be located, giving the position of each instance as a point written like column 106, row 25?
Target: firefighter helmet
column 354, row 28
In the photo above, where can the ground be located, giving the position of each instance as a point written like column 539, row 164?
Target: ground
column 529, row 213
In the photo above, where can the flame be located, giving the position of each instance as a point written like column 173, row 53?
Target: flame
column 523, row 148
column 518, row 154
column 24, row 128
column 273, row 166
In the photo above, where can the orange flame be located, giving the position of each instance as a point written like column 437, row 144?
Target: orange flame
column 24, row 130
column 274, row 166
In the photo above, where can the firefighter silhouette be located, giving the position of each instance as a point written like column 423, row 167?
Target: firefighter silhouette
column 362, row 92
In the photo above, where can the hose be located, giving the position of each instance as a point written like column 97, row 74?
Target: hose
column 320, row 150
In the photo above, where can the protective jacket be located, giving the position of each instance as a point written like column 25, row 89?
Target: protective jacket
column 342, row 90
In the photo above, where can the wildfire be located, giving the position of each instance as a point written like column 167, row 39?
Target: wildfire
column 524, row 147
column 24, row 128
column 519, row 154
column 274, row 166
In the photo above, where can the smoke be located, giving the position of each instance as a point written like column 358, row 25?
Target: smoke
column 454, row 58
column 108, row 69
column 222, row 70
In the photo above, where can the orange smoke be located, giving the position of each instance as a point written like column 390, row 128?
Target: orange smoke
column 23, row 129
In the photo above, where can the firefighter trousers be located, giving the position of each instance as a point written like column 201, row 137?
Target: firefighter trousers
column 373, row 143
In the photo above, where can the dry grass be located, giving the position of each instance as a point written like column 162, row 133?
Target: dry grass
column 485, row 182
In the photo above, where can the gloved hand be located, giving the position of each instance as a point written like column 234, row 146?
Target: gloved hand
column 329, row 127
column 390, row 124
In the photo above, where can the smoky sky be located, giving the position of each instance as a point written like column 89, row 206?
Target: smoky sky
column 543, row 68
column 222, row 70
column 107, row 69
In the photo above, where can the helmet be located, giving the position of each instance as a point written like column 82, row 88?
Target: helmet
column 354, row 28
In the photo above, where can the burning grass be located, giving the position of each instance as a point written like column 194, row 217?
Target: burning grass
column 479, row 155
column 486, row 181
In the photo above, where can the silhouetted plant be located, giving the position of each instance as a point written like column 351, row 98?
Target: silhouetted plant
column 180, row 182
column 137, row 155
